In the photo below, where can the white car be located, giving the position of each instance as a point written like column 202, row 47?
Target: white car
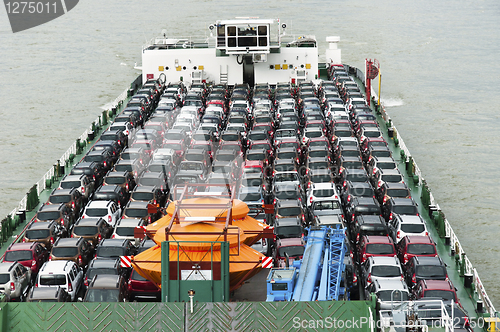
column 325, row 191
column 402, row 225
column 65, row 274
column 108, row 210
column 124, row 229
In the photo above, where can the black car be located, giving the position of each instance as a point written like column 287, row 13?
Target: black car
column 399, row 206
column 93, row 169
column 120, row 178
column 71, row 197
column 420, row 268
column 100, row 266
column 356, row 189
column 133, row 166
column 48, row 294
column 116, row 136
column 111, row 146
column 288, row 228
column 106, row 288
column 114, row 248
column 151, row 194
column 367, row 225
column 103, row 157
column 112, row 192
column 362, row 205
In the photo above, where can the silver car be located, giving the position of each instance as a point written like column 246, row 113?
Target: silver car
column 15, row 280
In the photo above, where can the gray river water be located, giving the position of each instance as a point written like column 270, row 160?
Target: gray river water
column 439, row 61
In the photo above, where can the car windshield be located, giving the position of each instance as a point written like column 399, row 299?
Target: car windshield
column 398, row 193
column 287, row 194
column 250, row 197
column 4, row 278
column 292, row 251
column 289, row 145
column 315, row 133
column 286, row 177
column 166, row 157
column 149, row 181
column 64, row 251
column 96, row 212
column 412, row 228
column 386, row 271
column 379, row 249
column 289, row 211
column 323, row 192
column 52, row 279
column 37, row 234
column 85, row 230
column 405, row 209
column 319, row 165
column 70, row 184
column 284, row 167
column 185, row 179
column 287, row 155
column 372, row 133
column 230, row 137
column 321, row 178
column 385, row 295
column 95, row 271
column 57, row 199
column 48, row 215
column 288, row 231
column 430, row 271
column 102, row 295
column 115, row 180
column 352, row 164
column 142, row 196
column 386, row 165
column 173, row 136
column 110, row 252
column 421, row 249
column 125, row 231
column 443, row 294
column 392, row 178
column 136, row 212
column 195, row 156
column 326, row 205
column 256, row 156
column 18, row 255
column 257, row 136
column 318, row 153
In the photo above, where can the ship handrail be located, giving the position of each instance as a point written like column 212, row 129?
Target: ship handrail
column 455, row 245
column 189, row 42
column 41, row 184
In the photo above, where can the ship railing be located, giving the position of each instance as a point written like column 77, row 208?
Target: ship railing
column 41, row 185
column 466, row 267
column 184, row 42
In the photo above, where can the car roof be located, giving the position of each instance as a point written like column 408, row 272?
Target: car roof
column 99, row 203
column 105, row 281
column 438, row 284
column 377, row 239
column 51, row 267
column 129, row 222
column 384, row 260
column 21, row 246
column 104, row 262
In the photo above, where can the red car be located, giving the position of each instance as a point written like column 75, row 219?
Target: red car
column 30, row 254
column 375, row 245
column 294, row 247
column 436, row 288
column 140, row 287
column 416, row 245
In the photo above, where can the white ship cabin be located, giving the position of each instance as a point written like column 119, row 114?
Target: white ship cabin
column 245, row 50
